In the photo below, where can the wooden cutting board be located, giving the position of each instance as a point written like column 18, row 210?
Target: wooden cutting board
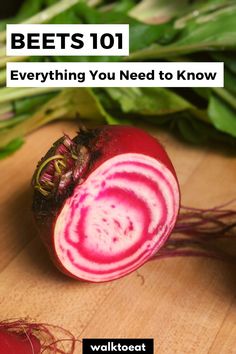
column 187, row 305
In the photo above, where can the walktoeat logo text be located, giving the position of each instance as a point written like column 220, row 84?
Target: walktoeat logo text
column 115, row 345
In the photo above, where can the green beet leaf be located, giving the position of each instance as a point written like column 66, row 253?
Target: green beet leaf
column 222, row 116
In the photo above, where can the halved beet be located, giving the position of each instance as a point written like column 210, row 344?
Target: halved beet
column 105, row 201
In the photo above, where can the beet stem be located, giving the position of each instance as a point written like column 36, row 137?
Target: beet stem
column 58, row 160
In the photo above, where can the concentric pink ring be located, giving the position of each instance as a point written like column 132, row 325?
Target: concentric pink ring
column 117, row 219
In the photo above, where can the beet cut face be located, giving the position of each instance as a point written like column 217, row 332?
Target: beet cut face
column 105, row 202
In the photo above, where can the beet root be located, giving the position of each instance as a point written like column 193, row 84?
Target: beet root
column 105, row 202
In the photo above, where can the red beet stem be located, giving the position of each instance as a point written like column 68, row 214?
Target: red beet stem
column 105, row 202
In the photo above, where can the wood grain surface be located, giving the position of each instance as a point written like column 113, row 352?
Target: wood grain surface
column 187, row 305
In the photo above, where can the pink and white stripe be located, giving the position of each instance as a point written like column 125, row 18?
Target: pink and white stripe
column 117, row 218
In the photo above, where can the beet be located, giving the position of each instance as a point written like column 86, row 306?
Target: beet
column 15, row 343
column 105, row 201
column 23, row 336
